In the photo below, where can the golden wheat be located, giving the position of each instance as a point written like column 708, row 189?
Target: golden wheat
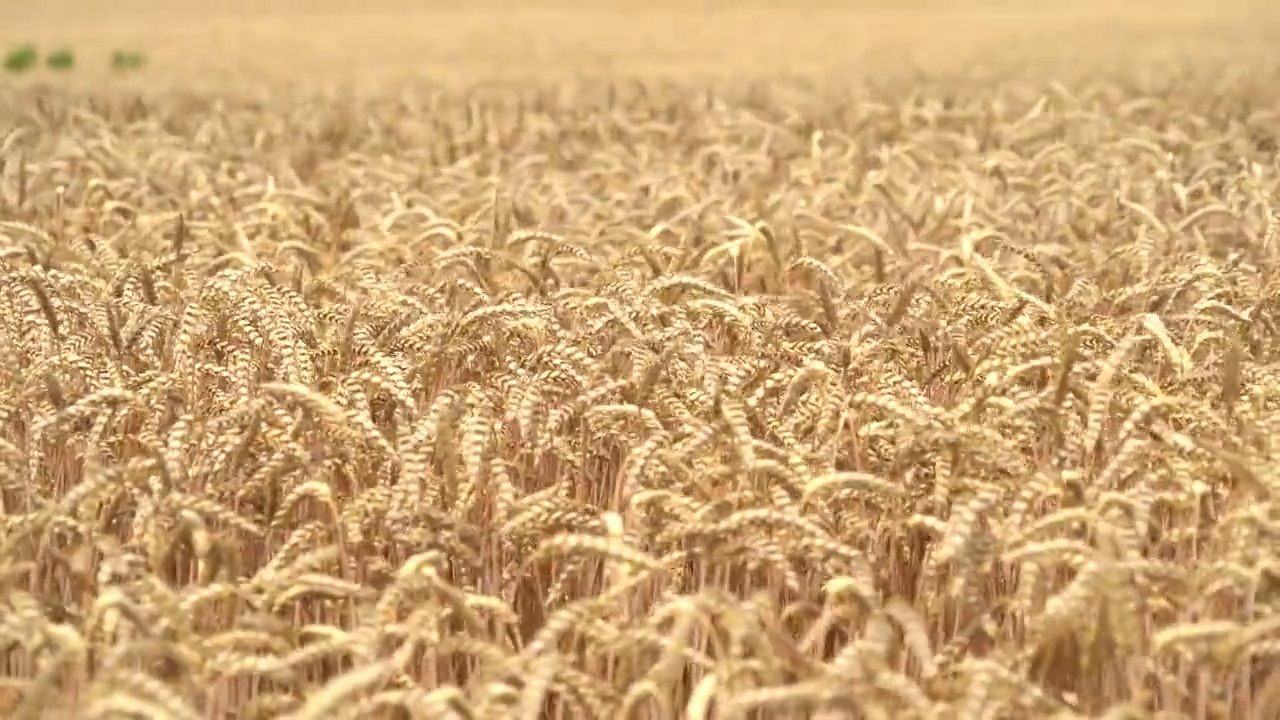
column 908, row 403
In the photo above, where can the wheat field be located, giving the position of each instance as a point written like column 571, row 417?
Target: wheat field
column 607, row 374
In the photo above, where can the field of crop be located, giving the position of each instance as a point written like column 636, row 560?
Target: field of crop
column 718, row 367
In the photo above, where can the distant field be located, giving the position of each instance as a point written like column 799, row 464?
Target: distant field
column 385, row 39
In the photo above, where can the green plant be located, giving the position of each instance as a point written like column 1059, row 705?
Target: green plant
column 61, row 59
column 122, row 60
column 21, row 59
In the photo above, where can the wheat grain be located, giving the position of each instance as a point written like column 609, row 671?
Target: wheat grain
column 681, row 420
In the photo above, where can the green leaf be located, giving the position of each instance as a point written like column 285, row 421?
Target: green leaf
column 122, row 60
column 21, row 59
column 61, row 59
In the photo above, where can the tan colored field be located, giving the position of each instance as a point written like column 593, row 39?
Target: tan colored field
column 641, row 364
column 230, row 40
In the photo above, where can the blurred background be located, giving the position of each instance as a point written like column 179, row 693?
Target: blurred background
column 395, row 38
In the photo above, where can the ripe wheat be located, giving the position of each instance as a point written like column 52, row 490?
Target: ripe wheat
column 656, row 404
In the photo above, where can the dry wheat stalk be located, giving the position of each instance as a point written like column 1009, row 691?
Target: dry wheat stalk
column 680, row 420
